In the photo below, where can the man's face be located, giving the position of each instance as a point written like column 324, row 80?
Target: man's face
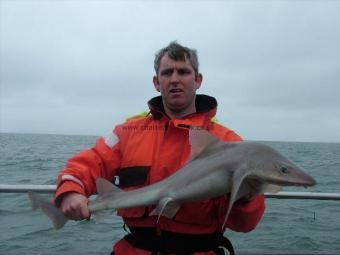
column 177, row 83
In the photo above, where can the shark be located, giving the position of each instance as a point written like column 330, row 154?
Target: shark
column 236, row 170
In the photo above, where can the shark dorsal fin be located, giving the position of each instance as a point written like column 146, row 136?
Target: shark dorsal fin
column 200, row 140
column 105, row 186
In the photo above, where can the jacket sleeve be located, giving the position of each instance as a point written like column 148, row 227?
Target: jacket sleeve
column 84, row 168
column 245, row 215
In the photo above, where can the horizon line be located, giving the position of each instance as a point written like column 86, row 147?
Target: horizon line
column 255, row 140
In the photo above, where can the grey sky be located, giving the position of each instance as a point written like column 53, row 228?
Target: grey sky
column 80, row 67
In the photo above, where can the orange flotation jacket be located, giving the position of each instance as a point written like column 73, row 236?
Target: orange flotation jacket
column 146, row 149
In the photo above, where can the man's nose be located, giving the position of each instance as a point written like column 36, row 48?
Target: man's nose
column 174, row 77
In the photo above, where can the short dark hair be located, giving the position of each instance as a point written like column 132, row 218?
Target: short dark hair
column 177, row 52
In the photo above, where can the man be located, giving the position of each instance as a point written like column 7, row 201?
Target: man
column 147, row 149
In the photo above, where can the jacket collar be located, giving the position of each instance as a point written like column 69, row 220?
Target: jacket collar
column 205, row 105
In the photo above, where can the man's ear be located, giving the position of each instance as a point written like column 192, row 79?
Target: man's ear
column 156, row 83
column 198, row 80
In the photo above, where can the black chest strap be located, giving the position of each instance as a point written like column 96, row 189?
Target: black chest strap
column 176, row 243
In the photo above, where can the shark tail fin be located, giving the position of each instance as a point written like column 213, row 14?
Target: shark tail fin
column 48, row 208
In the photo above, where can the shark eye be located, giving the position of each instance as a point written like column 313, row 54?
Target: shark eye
column 284, row 169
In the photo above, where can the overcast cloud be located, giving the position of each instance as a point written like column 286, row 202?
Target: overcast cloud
column 80, row 67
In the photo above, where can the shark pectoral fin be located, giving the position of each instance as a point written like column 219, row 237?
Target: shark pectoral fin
column 166, row 207
column 53, row 212
column 237, row 178
column 105, row 186
column 271, row 188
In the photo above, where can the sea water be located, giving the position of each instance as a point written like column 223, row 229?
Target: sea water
column 289, row 225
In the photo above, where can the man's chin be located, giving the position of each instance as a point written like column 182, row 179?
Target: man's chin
column 179, row 110
column 176, row 105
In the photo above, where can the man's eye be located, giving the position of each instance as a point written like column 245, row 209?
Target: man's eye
column 184, row 71
column 167, row 72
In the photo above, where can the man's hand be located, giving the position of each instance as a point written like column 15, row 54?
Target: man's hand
column 74, row 206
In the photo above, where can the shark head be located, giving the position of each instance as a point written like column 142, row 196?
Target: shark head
column 271, row 167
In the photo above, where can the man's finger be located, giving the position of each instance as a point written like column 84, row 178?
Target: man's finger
column 84, row 212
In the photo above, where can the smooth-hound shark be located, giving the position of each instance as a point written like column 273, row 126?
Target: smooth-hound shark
column 215, row 168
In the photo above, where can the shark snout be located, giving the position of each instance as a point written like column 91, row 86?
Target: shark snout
column 305, row 180
column 294, row 176
column 310, row 181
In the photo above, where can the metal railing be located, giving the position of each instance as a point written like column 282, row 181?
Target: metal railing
column 10, row 188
